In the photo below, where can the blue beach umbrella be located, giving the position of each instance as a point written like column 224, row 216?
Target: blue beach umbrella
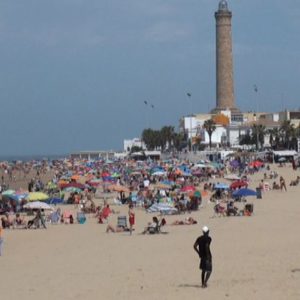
column 55, row 201
column 244, row 192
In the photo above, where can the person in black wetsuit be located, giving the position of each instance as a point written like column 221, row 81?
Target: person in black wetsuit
column 202, row 247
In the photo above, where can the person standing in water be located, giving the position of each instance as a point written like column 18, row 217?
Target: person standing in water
column 202, row 247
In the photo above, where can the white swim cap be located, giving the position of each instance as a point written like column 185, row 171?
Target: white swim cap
column 205, row 229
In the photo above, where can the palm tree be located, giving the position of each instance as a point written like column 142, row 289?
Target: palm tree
column 167, row 135
column 179, row 140
column 258, row 135
column 274, row 137
column 288, row 131
column 210, row 127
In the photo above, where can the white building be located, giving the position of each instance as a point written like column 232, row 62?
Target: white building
column 136, row 142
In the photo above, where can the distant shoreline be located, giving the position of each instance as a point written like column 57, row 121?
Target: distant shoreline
column 31, row 157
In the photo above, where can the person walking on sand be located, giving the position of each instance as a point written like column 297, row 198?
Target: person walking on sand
column 131, row 215
column 202, row 247
column 1, row 239
column 282, row 183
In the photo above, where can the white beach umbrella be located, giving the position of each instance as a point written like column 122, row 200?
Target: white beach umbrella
column 38, row 205
column 232, row 177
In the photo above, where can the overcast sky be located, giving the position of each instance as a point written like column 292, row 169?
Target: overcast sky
column 74, row 74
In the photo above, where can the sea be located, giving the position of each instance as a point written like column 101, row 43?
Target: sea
column 37, row 157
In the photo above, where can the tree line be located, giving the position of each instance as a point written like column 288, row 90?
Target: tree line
column 284, row 136
column 167, row 138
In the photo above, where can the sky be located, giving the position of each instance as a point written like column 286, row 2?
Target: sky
column 74, row 74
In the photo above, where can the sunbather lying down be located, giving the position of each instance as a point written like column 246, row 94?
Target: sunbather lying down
column 187, row 221
column 111, row 228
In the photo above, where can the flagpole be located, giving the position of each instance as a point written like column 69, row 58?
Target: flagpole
column 257, row 136
column 190, row 96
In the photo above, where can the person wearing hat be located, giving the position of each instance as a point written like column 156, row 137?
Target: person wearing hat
column 202, row 247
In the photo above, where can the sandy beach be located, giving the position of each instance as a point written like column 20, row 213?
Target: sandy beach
column 254, row 257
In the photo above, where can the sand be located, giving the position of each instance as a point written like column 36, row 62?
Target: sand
column 254, row 257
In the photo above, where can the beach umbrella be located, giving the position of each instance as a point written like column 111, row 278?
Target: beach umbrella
column 105, row 174
column 72, row 190
column 234, row 163
column 55, row 201
column 95, row 182
column 238, row 184
column 51, row 185
column 199, row 166
column 159, row 173
column 244, row 192
column 37, row 196
column 256, row 164
column 75, row 185
column 116, row 175
column 188, row 188
column 8, row 192
column 221, row 186
column 217, row 165
column 282, row 159
column 38, row 205
column 232, row 177
column 75, row 177
column 168, row 182
column 18, row 197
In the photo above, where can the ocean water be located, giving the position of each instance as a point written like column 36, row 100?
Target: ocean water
column 32, row 157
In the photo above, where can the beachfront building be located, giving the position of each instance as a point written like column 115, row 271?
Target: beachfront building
column 93, row 155
column 292, row 116
column 135, row 142
column 229, row 129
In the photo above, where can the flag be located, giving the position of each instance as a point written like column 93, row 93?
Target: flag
column 146, row 102
column 189, row 94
